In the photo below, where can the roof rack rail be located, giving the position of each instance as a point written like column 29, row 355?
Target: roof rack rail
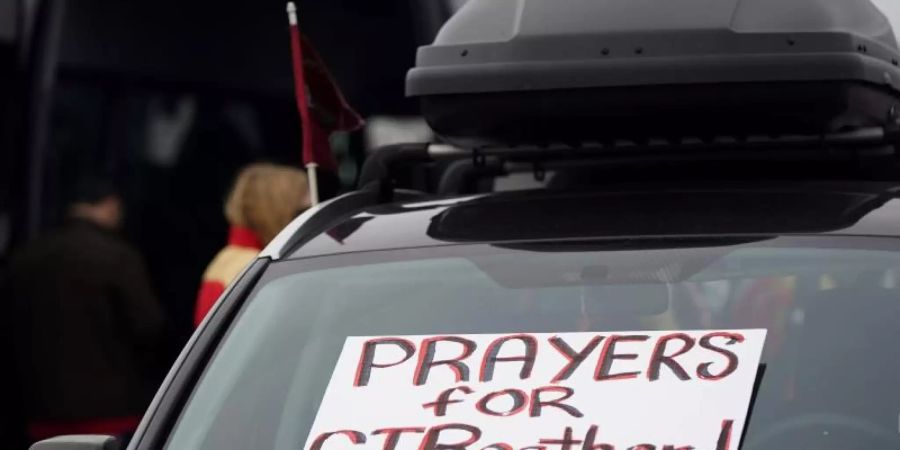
column 322, row 217
column 375, row 186
column 378, row 171
column 860, row 138
column 376, row 182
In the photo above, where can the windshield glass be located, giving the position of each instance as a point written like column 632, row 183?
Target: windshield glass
column 828, row 305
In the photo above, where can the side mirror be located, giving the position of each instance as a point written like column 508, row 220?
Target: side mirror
column 78, row 443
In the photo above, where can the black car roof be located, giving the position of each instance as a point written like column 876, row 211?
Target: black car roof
column 621, row 212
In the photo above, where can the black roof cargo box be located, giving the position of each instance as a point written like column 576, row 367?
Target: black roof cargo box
column 526, row 71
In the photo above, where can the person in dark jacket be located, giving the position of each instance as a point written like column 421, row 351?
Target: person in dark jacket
column 87, row 324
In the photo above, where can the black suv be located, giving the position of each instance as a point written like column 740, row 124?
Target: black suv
column 817, row 265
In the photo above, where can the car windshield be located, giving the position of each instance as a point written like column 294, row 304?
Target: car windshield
column 828, row 305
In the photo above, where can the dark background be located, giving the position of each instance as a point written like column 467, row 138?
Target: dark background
column 84, row 84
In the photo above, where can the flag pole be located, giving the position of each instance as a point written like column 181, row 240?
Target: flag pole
column 303, row 105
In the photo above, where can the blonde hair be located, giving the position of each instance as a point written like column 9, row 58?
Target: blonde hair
column 266, row 197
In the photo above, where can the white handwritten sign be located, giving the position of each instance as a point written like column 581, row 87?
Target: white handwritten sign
column 681, row 390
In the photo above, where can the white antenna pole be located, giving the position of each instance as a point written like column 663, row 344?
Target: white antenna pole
column 292, row 13
column 311, row 174
column 303, row 105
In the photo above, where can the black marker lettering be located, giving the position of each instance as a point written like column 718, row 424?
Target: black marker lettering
column 538, row 403
column 608, row 355
column 724, row 441
column 432, row 438
column 575, row 358
column 518, row 397
column 440, row 405
column 590, row 439
column 498, row 446
column 491, row 358
column 659, row 357
column 367, row 358
column 355, row 437
column 427, row 362
column 706, row 342
column 565, row 443
column 393, row 435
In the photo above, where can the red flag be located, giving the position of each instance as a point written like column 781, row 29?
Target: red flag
column 328, row 104
column 323, row 108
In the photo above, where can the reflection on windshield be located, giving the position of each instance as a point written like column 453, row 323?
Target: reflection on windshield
column 826, row 311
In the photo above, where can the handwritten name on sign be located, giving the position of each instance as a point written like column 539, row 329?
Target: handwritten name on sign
column 686, row 390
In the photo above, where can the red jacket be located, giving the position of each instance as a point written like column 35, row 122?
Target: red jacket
column 243, row 247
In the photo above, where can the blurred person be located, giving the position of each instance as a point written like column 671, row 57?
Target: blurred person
column 264, row 199
column 87, row 323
